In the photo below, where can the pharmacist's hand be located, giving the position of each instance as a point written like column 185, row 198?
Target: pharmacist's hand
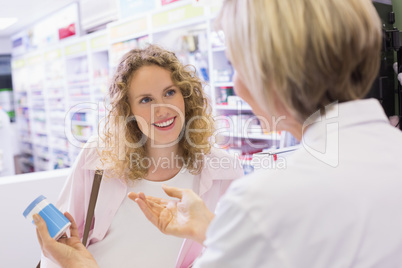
column 187, row 217
column 67, row 251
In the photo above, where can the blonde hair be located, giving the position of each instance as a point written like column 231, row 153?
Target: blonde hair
column 306, row 53
column 197, row 114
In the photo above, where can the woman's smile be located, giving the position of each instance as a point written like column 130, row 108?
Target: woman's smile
column 166, row 124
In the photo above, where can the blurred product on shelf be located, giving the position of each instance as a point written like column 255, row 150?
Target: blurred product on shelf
column 235, row 100
column 223, row 95
column 79, row 116
column 223, row 75
column 7, row 102
column 6, row 91
column 217, row 39
column 81, row 133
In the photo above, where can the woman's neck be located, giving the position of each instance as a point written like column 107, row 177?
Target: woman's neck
column 160, row 151
column 165, row 161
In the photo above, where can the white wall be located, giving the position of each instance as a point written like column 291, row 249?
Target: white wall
column 97, row 12
column 18, row 242
column 5, row 45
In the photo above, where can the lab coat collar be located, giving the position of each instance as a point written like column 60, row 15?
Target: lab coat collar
column 343, row 115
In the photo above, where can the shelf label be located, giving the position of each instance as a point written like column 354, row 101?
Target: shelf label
column 16, row 64
column 34, row 60
column 100, row 42
column 129, row 28
column 53, row 54
column 176, row 15
column 76, row 48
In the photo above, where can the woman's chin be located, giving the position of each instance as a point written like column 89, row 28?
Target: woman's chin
column 163, row 141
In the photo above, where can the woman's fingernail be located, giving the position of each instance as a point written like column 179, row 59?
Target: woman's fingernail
column 36, row 218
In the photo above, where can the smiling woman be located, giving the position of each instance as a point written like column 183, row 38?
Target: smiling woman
column 156, row 132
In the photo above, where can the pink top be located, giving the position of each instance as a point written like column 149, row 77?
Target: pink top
column 218, row 172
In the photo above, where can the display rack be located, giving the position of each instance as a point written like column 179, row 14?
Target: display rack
column 23, row 100
column 38, row 110
column 56, row 102
column 59, row 94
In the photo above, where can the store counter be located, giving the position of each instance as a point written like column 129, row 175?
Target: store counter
column 18, row 243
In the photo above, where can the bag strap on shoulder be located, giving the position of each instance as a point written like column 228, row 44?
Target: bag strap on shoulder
column 92, row 203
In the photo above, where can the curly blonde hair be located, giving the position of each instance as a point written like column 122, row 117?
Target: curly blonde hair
column 197, row 114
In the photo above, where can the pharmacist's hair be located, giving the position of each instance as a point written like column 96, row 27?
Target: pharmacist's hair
column 193, row 145
column 307, row 53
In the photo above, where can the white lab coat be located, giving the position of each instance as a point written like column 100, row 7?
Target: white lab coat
column 312, row 214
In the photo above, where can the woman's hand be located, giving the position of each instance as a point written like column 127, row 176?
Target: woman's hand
column 67, row 251
column 187, row 217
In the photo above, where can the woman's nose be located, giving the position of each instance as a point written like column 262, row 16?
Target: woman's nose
column 161, row 110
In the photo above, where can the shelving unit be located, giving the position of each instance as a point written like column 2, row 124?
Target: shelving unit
column 22, row 103
column 57, row 103
column 60, row 91
column 59, row 94
column 37, row 107
column 79, row 119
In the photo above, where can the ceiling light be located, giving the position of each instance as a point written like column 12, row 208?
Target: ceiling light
column 6, row 22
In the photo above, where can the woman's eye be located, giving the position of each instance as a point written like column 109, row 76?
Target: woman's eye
column 170, row 92
column 145, row 100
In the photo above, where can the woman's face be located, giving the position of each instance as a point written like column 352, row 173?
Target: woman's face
column 157, row 104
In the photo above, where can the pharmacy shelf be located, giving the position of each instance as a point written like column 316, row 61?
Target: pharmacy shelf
column 60, row 77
